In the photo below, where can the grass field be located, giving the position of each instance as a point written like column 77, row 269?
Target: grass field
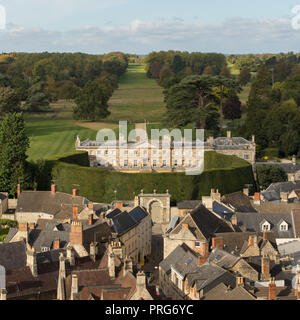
column 138, row 98
column 49, row 137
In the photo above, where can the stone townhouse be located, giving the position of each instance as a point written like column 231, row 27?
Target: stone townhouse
column 133, row 230
column 57, row 235
column 142, row 154
column 35, row 205
column 184, row 276
column 113, row 279
column 196, row 230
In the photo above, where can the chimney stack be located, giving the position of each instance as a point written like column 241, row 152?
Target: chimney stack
column 294, row 160
column 31, row 260
column 140, row 281
column 62, row 266
column 53, row 188
column 111, row 265
column 91, row 205
column 257, row 198
column 272, row 290
column 265, row 268
column 76, row 236
column 71, row 256
column 56, row 244
column 128, row 266
column 252, row 241
column 74, row 290
column 246, row 192
column 18, row 190
column 240, row 281
column 284, row 196
column 93, row 251
column 91, row 219
column 234, row 220
column 75, row 193
column 218, row 243
column 75, row 212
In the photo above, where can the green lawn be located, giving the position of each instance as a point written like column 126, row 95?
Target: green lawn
column 138, row 98
column 49, row 137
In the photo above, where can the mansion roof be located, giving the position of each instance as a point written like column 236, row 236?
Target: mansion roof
column 221, row 143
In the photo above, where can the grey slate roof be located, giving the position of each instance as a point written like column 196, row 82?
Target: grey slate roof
column 183, row 253
column 223, row 259
column 290, row 247
column 238, row 201
column 188, row 204
column 45, row 201
column 222, row 210
column 11, row 233
column 234, row 241
column 203, row 224
column 209, row 275
column 125, row 221
column 252, row 222
column 13, row 255
column 273, row 191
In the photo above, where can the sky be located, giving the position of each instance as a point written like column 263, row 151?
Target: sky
column 138, row 26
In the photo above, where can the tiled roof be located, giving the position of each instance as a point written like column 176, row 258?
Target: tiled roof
column 45, row 201
column 223, row 259
column 273, row 191
column 221, row 292
column 203, row 224
column 234, row 241
column 238, row 201
column 13, row 255
column 188, row 204
column 253, row 222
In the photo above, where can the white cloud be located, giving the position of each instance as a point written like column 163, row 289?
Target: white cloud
column 232, row 36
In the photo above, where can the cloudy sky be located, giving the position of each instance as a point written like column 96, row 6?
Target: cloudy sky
column 138, row 26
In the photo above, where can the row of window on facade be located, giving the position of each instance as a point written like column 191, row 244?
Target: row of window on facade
column 145, row 152
column 155, row 163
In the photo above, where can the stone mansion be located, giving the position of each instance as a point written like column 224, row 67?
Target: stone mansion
column 149, row 155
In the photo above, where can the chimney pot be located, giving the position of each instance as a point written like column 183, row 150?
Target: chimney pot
column 53, row 188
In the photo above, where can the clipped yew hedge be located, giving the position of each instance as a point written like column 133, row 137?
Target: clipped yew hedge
column 226, row 173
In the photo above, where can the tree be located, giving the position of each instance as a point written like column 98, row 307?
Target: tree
column 13, row 144
column 232, row 108
column 9, row 100
column 208, row 71
column 192, row 100
column 178, row 64
column 224, row 87
column 37, row 98
column 244, row 76
column 91, row 103
column 268, row 174
column 225, row 72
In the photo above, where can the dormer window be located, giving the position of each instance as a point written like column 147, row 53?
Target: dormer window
column 283, row 226
column 265, row 226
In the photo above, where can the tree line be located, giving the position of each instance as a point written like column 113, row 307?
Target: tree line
column 38, row 79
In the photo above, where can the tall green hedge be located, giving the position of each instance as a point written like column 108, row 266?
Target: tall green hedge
column 226, row 173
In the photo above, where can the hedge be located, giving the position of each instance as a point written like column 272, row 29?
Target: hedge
column 226, row 173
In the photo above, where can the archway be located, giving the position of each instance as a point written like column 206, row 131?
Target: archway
column 156, row 212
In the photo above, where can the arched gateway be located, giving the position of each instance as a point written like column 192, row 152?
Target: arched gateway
column 158, row 205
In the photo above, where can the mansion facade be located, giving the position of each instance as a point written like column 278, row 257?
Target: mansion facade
column 149, row 155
